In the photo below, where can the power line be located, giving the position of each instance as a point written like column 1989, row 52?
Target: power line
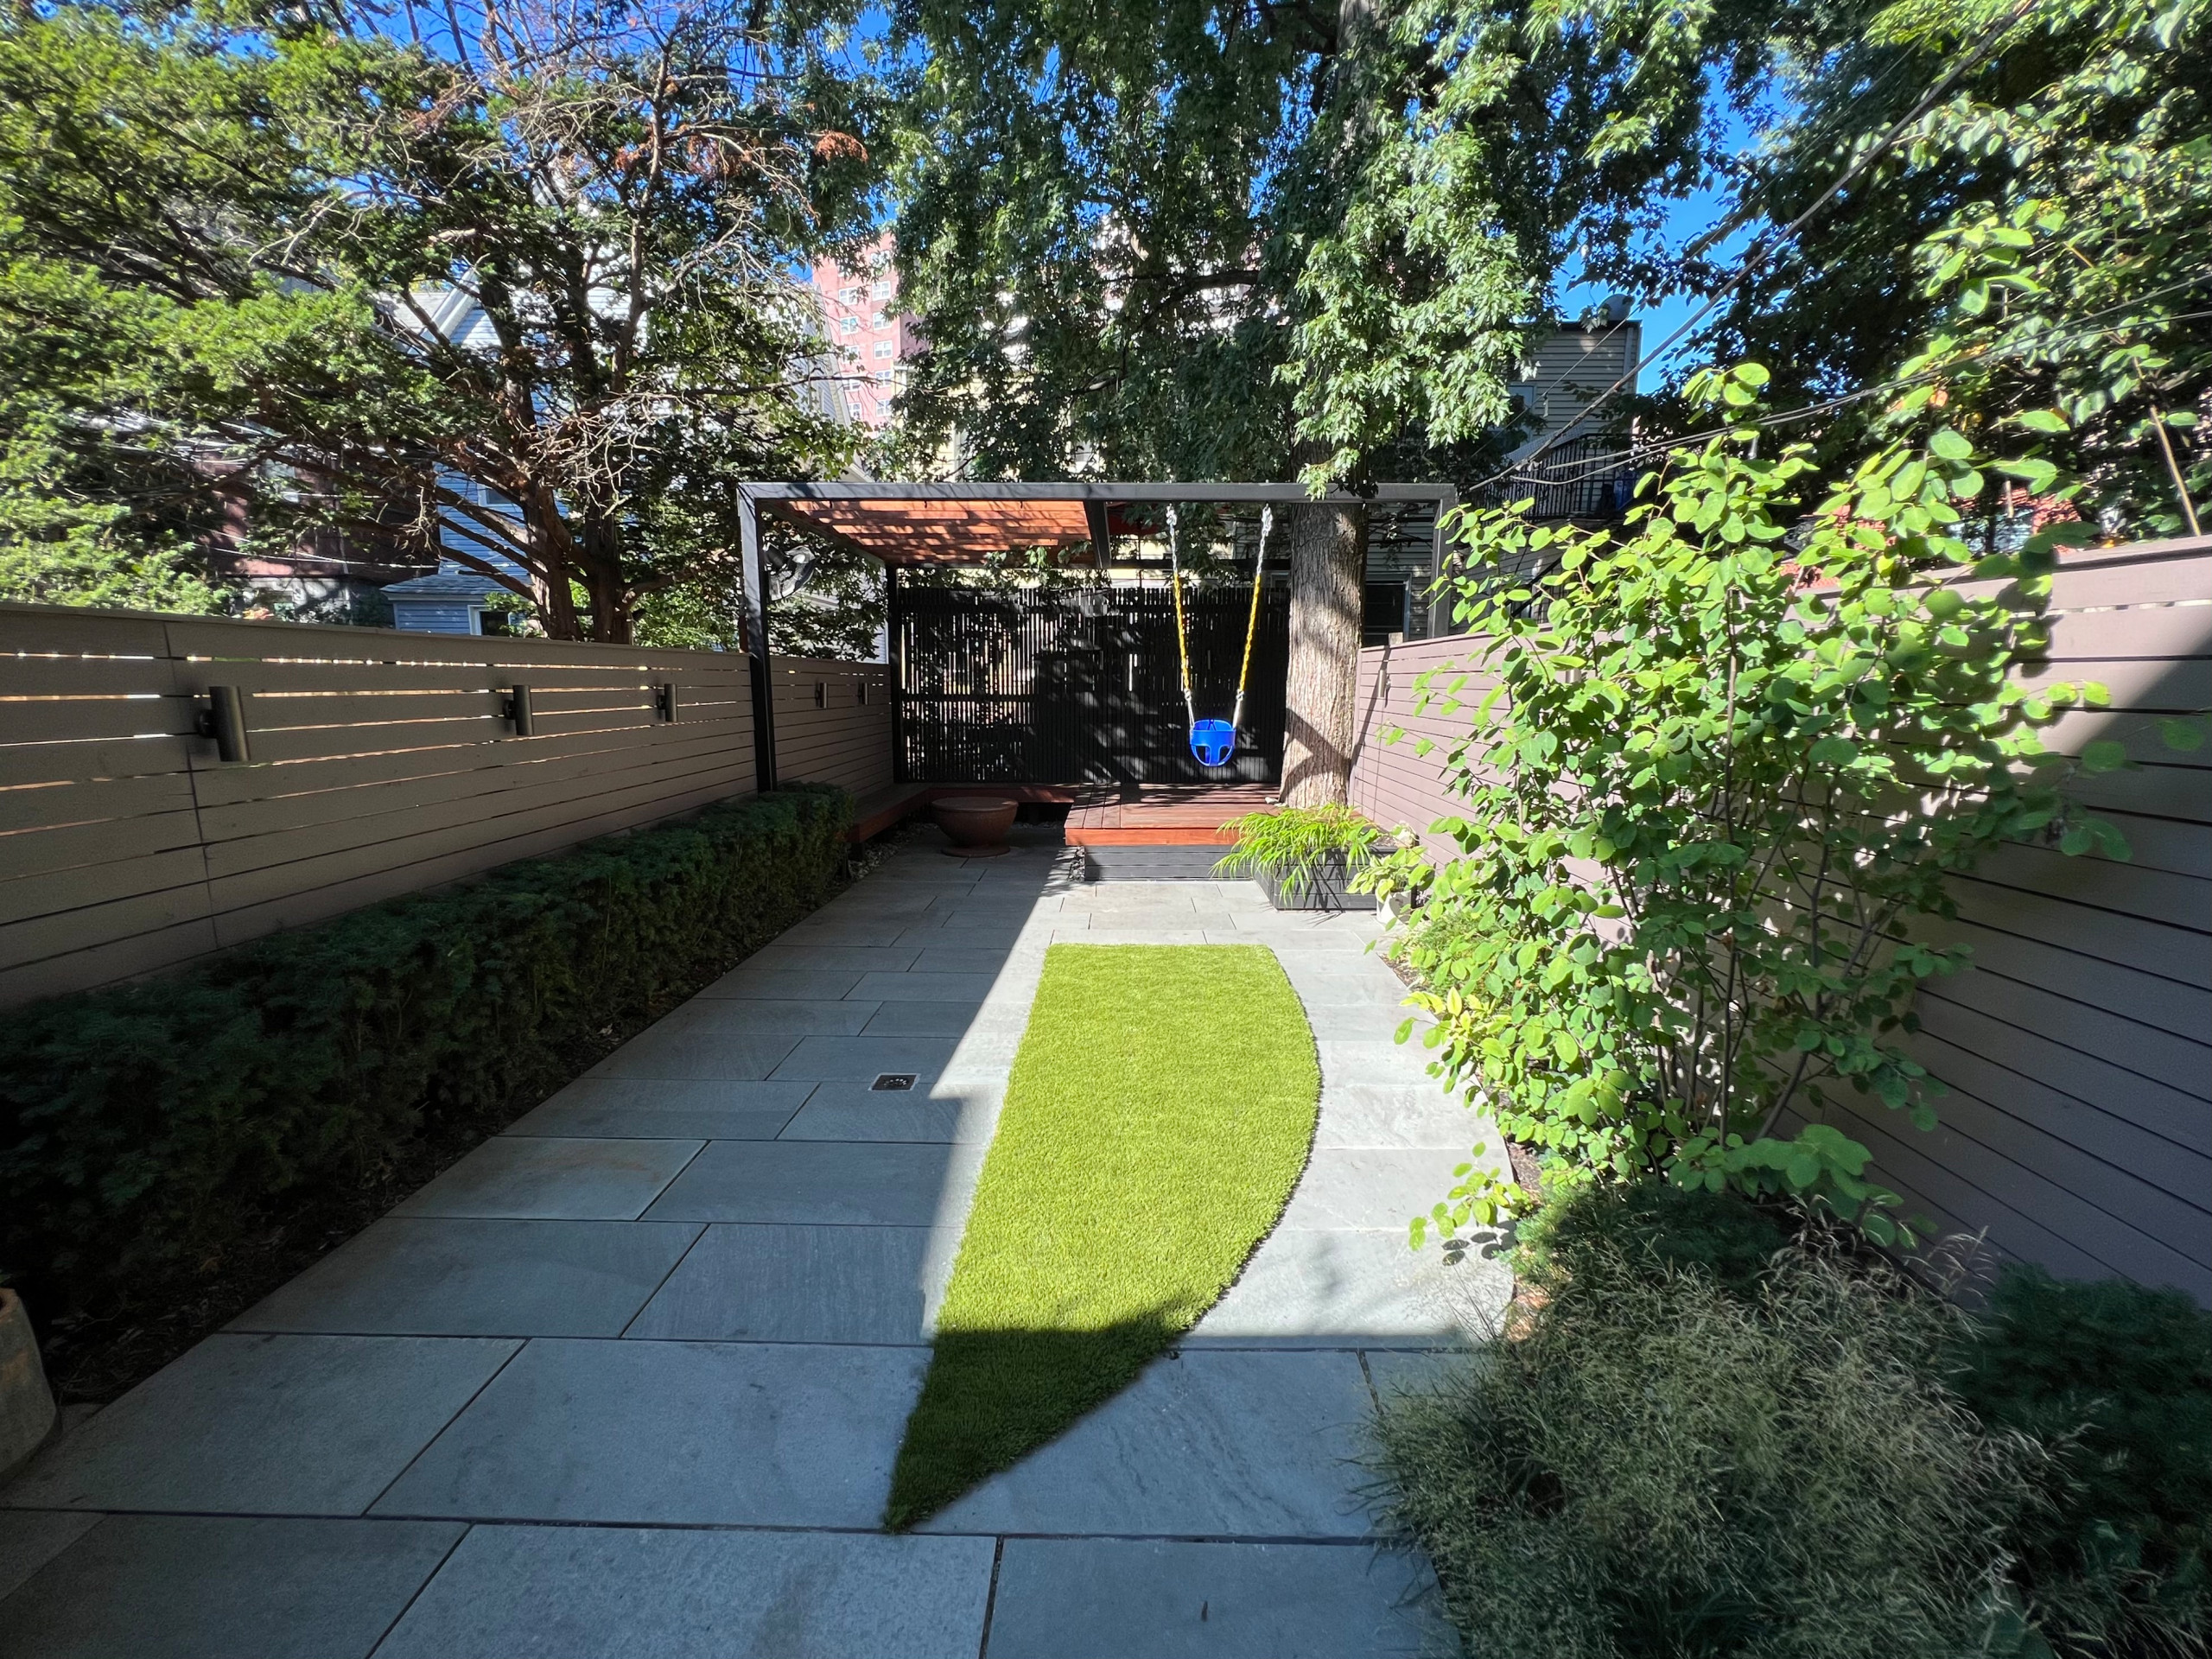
column 1765, row 246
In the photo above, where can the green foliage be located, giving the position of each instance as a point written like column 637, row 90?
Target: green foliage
column 144, row 1125
column 1653, row 1226
column 2033, row 252
column 1657, row 1464
column 317, row 259
column 1292, row 843
column 1711, row 778
column 2117, row 1380
column 1196, row 240
column 1138, row 1159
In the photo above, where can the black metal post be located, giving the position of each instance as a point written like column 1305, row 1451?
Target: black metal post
column 756, row 643
column 894, row 659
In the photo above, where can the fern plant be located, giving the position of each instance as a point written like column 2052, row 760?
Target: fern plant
column 1291, row 845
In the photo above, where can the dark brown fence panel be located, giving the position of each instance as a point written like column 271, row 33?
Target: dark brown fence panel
column 833, row 723
column 1083, row 685
column 2078, row 1048
column 380, row 763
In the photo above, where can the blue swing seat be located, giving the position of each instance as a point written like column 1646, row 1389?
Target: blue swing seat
column 1212, row 741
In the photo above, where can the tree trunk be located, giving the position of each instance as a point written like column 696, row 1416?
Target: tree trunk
column 1328, row 567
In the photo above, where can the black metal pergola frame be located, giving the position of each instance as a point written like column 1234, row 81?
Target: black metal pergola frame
column 781, row 499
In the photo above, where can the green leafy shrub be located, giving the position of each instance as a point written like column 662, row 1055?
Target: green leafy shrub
column 1706, row 797
column 1656, row 1224
column 2117, row 1380
column 142, row 1125
column 1654, row 1463
column 1292, row 844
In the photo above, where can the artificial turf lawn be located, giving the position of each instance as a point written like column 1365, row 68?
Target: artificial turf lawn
column 1160, row 1111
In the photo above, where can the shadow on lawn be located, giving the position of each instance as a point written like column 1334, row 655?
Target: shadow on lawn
column 992, row 1397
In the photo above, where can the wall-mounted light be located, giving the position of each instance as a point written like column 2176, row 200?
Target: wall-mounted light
column 514, row 709
column 822, row 694
column 664, row 700
column 224, row 720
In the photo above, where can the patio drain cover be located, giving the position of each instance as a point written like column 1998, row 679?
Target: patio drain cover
column 893, row 1080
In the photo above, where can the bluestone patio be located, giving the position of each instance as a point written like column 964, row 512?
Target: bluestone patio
column 629, row 1379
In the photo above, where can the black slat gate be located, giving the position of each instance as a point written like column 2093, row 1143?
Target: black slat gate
column 1080, row 685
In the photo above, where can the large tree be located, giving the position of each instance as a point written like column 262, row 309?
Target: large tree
column 511, row 281
column 1209, row 239
column 2021, row 247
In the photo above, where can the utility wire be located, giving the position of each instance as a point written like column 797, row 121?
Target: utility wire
column 1765, row 246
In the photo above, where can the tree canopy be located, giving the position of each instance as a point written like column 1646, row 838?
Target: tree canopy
column 511, row 282
column 1197, row 238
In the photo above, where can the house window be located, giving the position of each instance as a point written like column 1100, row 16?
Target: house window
column 848, row 325
column 883, row 348
column 1382, row 612
column 499, row 623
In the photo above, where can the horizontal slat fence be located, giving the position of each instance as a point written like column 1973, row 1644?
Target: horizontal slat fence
column 833, row 723
column 380, row 763
column 2077, row 1132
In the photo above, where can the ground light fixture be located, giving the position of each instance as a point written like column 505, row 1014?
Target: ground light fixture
column 887, row 1082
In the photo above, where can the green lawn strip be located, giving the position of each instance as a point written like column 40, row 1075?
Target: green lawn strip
column 1159, row 1112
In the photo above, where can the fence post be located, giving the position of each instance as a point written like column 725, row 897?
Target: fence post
column 894, row 659
column 756, row 643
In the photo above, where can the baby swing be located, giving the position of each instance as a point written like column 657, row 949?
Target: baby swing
column 1213, row 741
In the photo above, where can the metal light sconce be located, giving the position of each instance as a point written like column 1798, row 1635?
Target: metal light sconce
column 224, row 720
column 664, row 700
column 514, row 709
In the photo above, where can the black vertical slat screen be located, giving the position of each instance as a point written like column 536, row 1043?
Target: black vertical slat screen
column 1081, row 685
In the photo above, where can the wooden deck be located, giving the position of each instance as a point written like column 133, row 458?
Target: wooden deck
column 876, row 812
column 1165, row 815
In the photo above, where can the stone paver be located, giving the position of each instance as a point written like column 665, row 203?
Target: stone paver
column 854, row 1111
column 641, row 1109
column 225, row 1588
column 421, row 1276
column 780, row 1435
column 879, row 1183
column 635, row 1594
column 1211, row 1442
column 678, row 1053
column 549, row 1177
column 675, row 1315
column 266, row 1425
column 31, row 1538
column 786, row 1283
column 1106, row 1599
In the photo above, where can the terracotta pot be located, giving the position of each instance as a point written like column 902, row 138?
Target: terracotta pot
column 975, row 824
column 26, row 1403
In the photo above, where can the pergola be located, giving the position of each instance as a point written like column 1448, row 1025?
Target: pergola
column 921, row 524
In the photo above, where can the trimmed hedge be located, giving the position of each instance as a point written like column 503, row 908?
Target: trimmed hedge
column 142, row 1126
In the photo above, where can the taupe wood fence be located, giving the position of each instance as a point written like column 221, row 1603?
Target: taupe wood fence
column 379, row 763
column 833, row 723
column 2078, row 1049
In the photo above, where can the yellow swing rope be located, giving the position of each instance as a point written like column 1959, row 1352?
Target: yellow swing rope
column 1251, row 619
column 1252, row 622
column 1182, row 643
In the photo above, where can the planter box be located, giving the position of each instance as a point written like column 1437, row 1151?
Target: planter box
column 1326, row 888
